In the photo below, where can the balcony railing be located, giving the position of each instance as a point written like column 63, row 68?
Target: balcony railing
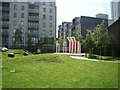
column 5, row 8
column 5, row 17
column 33, row 26
column 4, row 32
column 33, row 18
column 5, row 25
column 33, row 33
column 33, row 10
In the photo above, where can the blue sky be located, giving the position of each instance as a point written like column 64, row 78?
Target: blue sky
column 68, row 9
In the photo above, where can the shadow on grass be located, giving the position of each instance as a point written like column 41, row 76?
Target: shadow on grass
column 107, row 58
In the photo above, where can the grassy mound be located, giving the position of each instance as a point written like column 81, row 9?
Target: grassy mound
column 57, row 71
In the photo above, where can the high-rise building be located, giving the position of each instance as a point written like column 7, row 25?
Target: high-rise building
column 36, row 19
column 115, row 9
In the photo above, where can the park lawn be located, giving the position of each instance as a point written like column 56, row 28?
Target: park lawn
column 57, row 71
column 108, row 58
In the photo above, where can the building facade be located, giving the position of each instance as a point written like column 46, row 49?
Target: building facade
column 115, row 9
column 36, row 19
column 114, row 36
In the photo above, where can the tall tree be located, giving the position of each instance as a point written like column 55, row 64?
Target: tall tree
column 101, row 36
column 29, row 41
column 88, row 42
column 18, row 35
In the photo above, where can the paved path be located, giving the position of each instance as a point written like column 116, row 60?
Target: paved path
column 79, row 56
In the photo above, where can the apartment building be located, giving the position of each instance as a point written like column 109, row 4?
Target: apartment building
column 36, row 19
column 115, row 9
column 64, row 30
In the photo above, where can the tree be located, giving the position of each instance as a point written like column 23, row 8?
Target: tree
column 29, row 41
column 46, row 40
column 101, row 36
column 52, row 41
column 88, row 42
column 18, row 36
column 60, row 41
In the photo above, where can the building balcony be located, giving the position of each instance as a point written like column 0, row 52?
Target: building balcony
column 33, row 26
column 5, row 17
column 33, row 18
column 5, row 32
column 5, row 25
column 5, row 8
column 33, row 10
column 35, row 34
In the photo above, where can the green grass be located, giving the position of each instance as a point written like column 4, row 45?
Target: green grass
column 57, row 71
column 110, row 58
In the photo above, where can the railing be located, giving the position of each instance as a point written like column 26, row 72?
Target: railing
column 33, row 18
column 33, row 10
column 4, row 32
column 33, row 33
column 5, row 25
column 5, row 17
column 5, row 8
column 33, row 26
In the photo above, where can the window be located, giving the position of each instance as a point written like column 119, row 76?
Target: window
column 44, row 9
column 14, row 23
column 44, row 16
column 15, row 7
column 50, row 10
column 22, row 15
column 50, row 33
column 44, row 24
column 22, row 23
column 22, row 7
column 50, row 3
column 50, row 18
column 15, row 14
column 50, row 25
column 44, row 3
column 43, row 32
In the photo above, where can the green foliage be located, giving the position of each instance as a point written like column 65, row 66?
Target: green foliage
column 18, row 35
column 101, row 35
column 46, row 40
column 29, row 41
column 60, row 41
column 78, row 37
column 57, row 71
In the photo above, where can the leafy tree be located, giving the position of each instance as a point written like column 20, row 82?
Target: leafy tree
column 46, row 40
column 18, row 35
column 29, row 41
column 60, row 41
column 101, row 36
column 88, row 42
column 52, row 41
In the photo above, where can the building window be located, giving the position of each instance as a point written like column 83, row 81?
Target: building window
column 50, row 25
column 50, row 3
column 15, row 7
column 14, row 23
column 43, row 32
column 50, row 33
column 44, row 3
column 22, row 23
column 44, row 16
column 22, row 7
column 15, row 15
column 50, row 18
column 44, row 24
column 22, row 15
column 50, row 10
column 44, row 9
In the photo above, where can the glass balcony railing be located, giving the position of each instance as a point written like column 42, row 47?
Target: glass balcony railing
column 33, row 33
column 5, row 8
column 5, row 25
column 33, row 18
column 33, row 10
column 5, row 17
column 33, row 26
column 4, row 32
